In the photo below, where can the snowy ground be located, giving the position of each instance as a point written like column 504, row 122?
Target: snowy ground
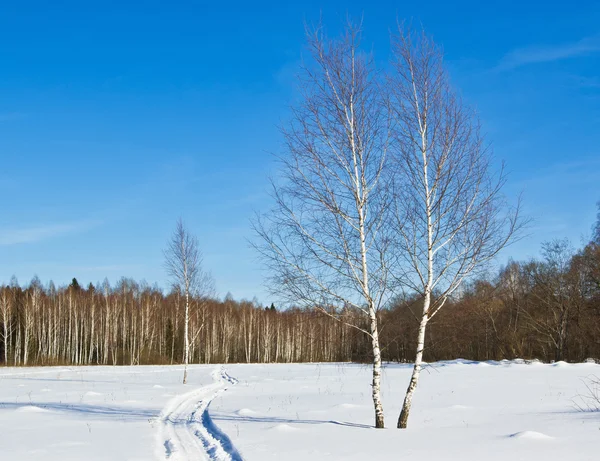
column 462, row 411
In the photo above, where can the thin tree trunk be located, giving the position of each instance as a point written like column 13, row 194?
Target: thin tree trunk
column 414, row 379
column 186, row 350
column 376, row 391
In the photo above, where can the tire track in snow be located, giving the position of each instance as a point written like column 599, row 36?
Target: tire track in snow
column 187, row 431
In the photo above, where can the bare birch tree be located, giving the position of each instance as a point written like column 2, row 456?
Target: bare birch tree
column 451, row 218
column 324, row 242
column 183, row 262
column 5, row 317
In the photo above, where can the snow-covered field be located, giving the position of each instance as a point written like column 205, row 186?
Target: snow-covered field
column 461, row 411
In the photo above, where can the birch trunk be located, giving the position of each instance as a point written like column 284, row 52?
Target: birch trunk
column 186, row 349
column 361, row 198
column 414, row 379
column 376, row 394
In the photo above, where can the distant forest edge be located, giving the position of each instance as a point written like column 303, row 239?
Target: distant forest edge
column 547, row 309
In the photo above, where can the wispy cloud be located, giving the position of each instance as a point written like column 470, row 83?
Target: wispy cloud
column 8, row 183
column 8, row 116
column 549, row 53
column 563, row 175
column 120, row 269
column 38, row 233
column 586, row 82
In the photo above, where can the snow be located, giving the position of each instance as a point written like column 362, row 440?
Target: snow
column 533, row 435
column 462, row 410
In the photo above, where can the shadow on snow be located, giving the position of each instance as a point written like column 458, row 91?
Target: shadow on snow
column 276, row 420
column 120, row 413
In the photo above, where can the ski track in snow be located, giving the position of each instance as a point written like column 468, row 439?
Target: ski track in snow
column 187, row 431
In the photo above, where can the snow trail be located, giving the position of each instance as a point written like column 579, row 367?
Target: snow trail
column 186, row 430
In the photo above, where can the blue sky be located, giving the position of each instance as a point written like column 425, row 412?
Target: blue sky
column 116, row 118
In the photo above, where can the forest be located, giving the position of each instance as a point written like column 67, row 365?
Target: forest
column 546, row 308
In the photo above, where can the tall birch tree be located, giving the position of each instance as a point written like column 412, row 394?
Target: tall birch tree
column 451, row 217
column 183, row 263
column 5, row 318
column 325, row 240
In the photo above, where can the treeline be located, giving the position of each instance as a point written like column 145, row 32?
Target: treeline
column 547, row 309
column 132, row 323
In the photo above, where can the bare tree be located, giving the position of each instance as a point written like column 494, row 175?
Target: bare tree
column 596, row 228
column 324, row 242
column 556, row 293
column 590, row 400
column 183, row 262
column 451, row 217
column 5, row 318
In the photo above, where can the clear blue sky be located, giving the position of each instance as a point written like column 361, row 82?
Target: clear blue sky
column 118, row 117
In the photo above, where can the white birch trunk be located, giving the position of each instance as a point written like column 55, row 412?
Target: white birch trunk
column 186, row 349
column 376, row 384
column 376, row 391
column 414, row 379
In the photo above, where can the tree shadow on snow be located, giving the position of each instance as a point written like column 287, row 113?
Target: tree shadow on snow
column 94, row 411
column 275, row 420
column 60, row 380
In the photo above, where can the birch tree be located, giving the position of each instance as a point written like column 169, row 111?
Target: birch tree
column 451, row 217
column 183, row 262
column 5, row 317
column 324, row 242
